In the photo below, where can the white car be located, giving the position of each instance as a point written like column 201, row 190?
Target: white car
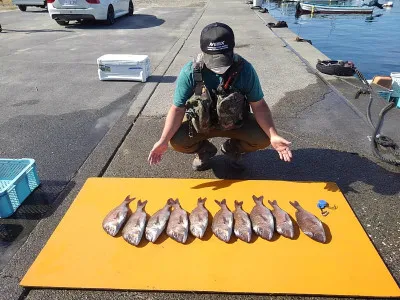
column 22, row 4
column 63, row 11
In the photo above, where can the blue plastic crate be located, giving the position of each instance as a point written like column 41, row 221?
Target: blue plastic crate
column 18, row 178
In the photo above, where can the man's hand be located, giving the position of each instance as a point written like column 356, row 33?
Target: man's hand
column 282, row 146
column 173, row 121
column 263, row 116
column 157, row 152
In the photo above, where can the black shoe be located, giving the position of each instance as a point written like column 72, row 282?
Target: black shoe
column 231, row 149
column 202, row 160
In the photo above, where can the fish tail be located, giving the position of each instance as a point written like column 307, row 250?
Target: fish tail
column 141, row 204
column 170, row 202
column 273, row 202
column 128, row 199
column 201, row 200
column 238, row 204
column 177, row 204
column 258, row 199
column 295, row 204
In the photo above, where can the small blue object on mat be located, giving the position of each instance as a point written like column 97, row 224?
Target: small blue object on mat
column 18, row 179
column 322, row 204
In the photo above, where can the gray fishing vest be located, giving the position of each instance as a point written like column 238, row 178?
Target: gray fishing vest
column 223, row 109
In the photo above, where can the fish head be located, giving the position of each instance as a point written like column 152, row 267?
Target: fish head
column 223, row 235
column 286, row 231
column 317, row 233
column 133, row 239
column 320, row 237
column 179, row 237
column 316, row 236
column 111, row 228
column 264, row 233
column 197, row 231
column 151, row 235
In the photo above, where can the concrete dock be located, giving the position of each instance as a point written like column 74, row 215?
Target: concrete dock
column 317, row 113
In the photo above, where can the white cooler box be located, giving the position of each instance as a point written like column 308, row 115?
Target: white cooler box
column 124, row 67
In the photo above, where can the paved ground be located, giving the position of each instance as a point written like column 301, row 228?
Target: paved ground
column 54, row 107
column 329, row 135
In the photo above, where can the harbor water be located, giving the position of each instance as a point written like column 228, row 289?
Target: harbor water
column 371, row 42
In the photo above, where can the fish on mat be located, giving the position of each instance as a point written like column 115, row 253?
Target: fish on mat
column 283, row 223
column 242, row 224
column 158, row 222
column 114, row 220
column 178, row 224
column 262, row 219
column 199, row 219
column 223, row 222
column 309, row 224
column 134, row 227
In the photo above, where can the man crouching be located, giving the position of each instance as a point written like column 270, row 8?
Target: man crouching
column 213, row 97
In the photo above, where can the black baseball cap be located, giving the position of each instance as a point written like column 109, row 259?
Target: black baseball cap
column 217, row 42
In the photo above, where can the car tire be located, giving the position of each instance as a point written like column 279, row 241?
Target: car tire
column 22, row 7
column 131, row 9
column 110, row 15
column 62, row 23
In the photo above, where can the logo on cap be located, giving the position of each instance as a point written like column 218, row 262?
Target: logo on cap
column 216, row 46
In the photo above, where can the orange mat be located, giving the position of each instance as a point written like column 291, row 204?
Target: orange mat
column 80, row 254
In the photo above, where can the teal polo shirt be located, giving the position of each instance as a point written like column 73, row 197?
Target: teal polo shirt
column 247, row 83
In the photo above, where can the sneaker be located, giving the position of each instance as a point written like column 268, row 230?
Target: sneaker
column 202, row 160
column 230, row 148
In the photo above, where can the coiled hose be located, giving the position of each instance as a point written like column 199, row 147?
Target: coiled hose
column 378, row 139
column 382, row 140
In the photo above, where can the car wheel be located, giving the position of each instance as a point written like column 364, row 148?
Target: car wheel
column 110, row 15
column 62, row 23
column 22, row 7
column 131, row 9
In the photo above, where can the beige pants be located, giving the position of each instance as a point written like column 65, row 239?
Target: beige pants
column 250, row 137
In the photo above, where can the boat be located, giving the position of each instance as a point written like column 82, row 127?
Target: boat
column 306, row 7
column 389, row 86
